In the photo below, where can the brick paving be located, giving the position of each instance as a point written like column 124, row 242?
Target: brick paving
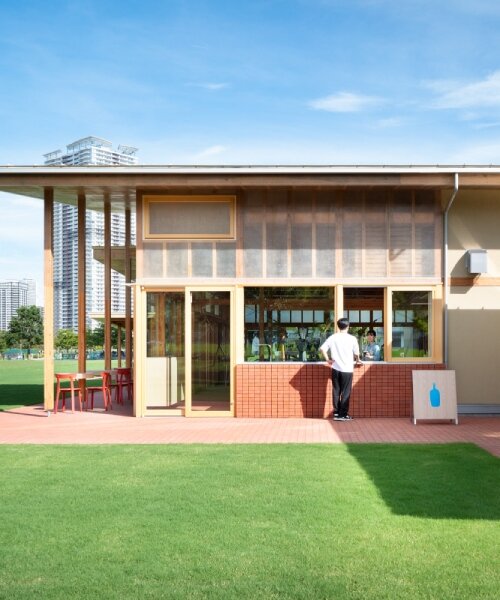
column 32, row 425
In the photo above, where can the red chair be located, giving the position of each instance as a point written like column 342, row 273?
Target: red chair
column 104, row 388
column 123, row 381
column 61, row 392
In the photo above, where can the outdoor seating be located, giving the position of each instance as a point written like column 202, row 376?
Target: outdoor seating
column 123, row 381
column 61, row 392
column 104, row 388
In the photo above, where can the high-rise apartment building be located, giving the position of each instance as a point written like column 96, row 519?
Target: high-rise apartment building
column 87, row 151
column 14, row 294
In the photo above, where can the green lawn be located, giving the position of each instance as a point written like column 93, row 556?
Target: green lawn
column 21, row 381
column 249, row 521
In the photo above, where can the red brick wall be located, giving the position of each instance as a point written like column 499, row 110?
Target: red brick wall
column 305, row 390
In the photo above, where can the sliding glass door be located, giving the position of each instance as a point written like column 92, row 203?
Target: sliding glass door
column 164, row 366
column 208, row 352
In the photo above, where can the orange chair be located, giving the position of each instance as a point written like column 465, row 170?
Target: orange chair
column 62, row 391
column 104, row 388
column 123, row 381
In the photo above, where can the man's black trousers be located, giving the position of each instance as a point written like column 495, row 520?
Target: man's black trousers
column 342, row 385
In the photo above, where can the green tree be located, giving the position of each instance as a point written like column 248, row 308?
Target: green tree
column 66, row 339
column 26, row 327
column 3, row 341
column 97, row 336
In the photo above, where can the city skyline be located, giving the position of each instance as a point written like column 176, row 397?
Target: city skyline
column 295, row 82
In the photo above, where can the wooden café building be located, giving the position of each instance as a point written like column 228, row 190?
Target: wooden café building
column 238, row 275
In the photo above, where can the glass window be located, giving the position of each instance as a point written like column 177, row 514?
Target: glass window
column 164, row 364
column 364, row 307
column 290, row 323
column 165, row 324
column 411, row 324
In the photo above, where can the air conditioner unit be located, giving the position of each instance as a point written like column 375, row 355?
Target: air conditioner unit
column 477, row 261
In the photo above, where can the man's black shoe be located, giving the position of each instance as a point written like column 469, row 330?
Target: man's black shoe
column 346, row 418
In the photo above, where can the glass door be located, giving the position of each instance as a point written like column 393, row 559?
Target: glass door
column 164, row 371
column 208, row 353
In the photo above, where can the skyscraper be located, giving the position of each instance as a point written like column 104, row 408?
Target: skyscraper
column 14, row 294
column 86, row 151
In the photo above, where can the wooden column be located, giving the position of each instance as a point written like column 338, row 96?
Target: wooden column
column 48, row 319
column 128, row 291
column 82, row 285
column 139, row 339
column 119, row 346
column 107, row 282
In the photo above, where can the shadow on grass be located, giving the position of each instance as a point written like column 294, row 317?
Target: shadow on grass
column 439, row 481
column 19, row 394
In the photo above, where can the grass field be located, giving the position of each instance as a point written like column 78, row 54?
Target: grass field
column 21, row 381
column 261, row 521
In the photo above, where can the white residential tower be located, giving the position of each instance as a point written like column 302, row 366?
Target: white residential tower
column 13, row 294
column 87, row 151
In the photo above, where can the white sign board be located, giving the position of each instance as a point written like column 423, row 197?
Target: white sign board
column 434, row 396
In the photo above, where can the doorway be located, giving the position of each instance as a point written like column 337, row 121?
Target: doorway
column 208, row 352
column 187, row 368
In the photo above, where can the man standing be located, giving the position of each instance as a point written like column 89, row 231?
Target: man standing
column 344, row 351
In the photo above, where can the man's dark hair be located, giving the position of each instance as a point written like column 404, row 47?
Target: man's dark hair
column 343, row 324
column 371, row 332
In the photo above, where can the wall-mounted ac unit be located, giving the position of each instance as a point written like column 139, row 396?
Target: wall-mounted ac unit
column 477, row 261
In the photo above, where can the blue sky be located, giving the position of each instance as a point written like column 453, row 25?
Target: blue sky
column 247, row 82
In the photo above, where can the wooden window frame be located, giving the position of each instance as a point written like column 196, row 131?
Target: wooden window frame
column 436, row 317
column 435, row 325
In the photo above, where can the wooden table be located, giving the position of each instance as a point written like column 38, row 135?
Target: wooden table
column 81, row 378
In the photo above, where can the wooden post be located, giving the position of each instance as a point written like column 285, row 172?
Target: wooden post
column 107, row 282
column 82, row 286
column 119, row 346
column 128, row 292
column 48, row 319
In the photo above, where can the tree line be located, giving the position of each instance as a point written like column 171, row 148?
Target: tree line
column 26, row 333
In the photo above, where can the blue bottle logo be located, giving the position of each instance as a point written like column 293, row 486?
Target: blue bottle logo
column 435, row 396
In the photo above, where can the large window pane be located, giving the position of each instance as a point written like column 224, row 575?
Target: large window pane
column 364, row 307
column 411, row 312
column 165, row 324
column 164, row 365
column 210, row 351
column 287, row 323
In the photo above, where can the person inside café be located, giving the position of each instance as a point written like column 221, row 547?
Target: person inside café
column 371, row 350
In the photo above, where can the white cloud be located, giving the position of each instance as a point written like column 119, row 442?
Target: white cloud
column 344, row 102
column 211, row 151
column 22, row 220
column 478, row 94
column 212, row 86
column 21, row 239
column 478, row 154
column 488, row 125
column 388, row 123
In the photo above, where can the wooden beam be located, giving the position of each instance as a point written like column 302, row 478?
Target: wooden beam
column 474, row 281
column 152, row 182
column 48, row 319
column 107, row 282
column 479, row 180
column 82, row 285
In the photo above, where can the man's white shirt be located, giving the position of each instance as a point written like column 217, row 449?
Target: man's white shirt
column 342, row 346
